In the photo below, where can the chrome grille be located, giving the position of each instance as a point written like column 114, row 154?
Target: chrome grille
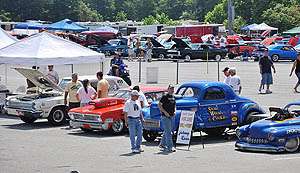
column 19, row 105
column 256, row 140
column 86, row 117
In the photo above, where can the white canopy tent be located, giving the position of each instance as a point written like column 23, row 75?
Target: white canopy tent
column 6, row 39
column 45, row 49
column 263, row 27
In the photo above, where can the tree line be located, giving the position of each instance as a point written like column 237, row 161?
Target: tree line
column 283, row 14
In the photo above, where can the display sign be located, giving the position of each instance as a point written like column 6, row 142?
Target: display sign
column 185, row 127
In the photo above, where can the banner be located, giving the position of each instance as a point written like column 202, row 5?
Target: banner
column 185, row 127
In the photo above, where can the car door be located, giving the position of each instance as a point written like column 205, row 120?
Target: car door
column 286, row 52
column 215, row 108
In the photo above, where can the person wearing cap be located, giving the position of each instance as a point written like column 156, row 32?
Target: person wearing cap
column 167, row 107
column 71, row 90
column 52, row 74
column 226, row 75
column 102, row 86
column 133, row 120
column 235, row 81
column 265, row 65
column 117, row 59
column 142, row 97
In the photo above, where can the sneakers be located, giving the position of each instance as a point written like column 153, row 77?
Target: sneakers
column 141, row 150
column 170, row 150
column 268, row 92
column 161, row 147
column 137, row 150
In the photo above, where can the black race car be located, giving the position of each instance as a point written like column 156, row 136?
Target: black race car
column 190, row 52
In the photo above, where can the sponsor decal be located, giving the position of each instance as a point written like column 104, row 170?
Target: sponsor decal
column 215, row 114
column 293, row 131
column 185, row 127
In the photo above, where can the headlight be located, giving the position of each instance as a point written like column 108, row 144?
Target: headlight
column 238, row 132
column 271, row 137
column 33, row 106
column 71, row 116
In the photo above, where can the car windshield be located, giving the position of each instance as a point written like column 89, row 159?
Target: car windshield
column 63, row 83
column 123, row 94
column 188, row 92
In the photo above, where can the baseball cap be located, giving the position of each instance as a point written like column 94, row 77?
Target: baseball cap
column 170, row 86
column 135, row 93
column 226, row 69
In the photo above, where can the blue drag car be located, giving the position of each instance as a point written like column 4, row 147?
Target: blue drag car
column 278, row 133
column 114, row 45
column 215, row 104
column 282, row 52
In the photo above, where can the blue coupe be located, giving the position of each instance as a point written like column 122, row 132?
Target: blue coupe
column 215, row 104
column 114, row 45
column 278, row 133
column 282, row 52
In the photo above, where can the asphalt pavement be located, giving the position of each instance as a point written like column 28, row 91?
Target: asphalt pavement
column 42, row 148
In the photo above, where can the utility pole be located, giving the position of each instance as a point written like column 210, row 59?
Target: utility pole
column 230, row 17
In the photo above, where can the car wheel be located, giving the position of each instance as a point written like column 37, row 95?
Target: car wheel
column 161, row 56
column 149, row 136
column 187, row 58
column 28, row 120
column 215, row 131
column 118, row 126
column 85, row 129
column 275, row 58
column 292, row 145
column 250, row 119
column 57, row 116
column 218, row 57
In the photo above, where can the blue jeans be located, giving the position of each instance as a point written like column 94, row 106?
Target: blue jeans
column 135, row 133
column 166, row 139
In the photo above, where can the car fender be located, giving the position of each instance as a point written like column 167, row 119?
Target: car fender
column 56, row 106
column 246, row 109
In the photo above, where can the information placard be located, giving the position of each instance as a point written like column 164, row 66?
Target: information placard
column 185, row 127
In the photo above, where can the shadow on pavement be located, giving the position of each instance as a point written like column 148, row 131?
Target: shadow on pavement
column 94, row 134
column 5, row 116
column 129, row 154
column 25, row 126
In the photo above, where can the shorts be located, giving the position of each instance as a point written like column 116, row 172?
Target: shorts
column 266, row 79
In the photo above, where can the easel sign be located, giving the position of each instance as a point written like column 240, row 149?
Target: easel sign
column 185, row 127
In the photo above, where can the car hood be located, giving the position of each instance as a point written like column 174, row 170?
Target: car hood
column 261, row 128
column 156, row 43
column 180, row 43
column 38, row 79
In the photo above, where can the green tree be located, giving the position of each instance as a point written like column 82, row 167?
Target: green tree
column 121, row 16
column 150, row 20
column 237, row 23
column 218, row 14
column 4, row 16
column 85, row 13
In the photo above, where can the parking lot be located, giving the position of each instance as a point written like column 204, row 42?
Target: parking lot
column 42, row 148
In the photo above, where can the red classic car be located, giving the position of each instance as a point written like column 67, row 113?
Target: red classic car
column 107, row 113
column 235, row 50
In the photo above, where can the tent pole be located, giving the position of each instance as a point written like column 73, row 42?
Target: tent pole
column 5, row 74
column 72, row 68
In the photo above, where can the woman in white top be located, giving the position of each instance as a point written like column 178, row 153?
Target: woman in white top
column 86, row 93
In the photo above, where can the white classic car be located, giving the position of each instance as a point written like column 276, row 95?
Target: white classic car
column 48, row 101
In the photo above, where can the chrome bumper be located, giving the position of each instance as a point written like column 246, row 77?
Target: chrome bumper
column 258, row 147
column 88, row 125
column 22, row 112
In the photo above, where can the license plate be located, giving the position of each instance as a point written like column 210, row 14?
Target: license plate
column 20, row 113
column 86, row 126
column 151, row 123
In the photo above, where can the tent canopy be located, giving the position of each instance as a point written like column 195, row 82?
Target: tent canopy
column 295, row 30
column 106, row 29
column 6, row 39
column 248, row 27
column 66, row 25
column 263, row 27
column 44, row 49
column 30, row 25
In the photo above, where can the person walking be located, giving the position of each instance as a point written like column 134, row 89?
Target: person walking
column 167, row 107
column 296, row 67
column 131, row 54
column 71, row 90
column 226, row 75
column 265, row 65
column 102, row 86
column 52, row 74
column 235, row 81
column 86, row 93
column 133, row 120
column 148, row 50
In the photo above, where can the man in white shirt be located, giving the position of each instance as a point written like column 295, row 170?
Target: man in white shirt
column 235, row 81
column 142, row 97
column 52, row 75
column 133, row 120
column 226, row 75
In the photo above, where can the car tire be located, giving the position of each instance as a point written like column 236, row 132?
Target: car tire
column 149, row 136
column 292, row 145
column 161, row 56
column 275, row 58
column 28, row 120
column 187, row 58
column 215, row 131
column 57, row 116
column 218, row 57
column 118, row 126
